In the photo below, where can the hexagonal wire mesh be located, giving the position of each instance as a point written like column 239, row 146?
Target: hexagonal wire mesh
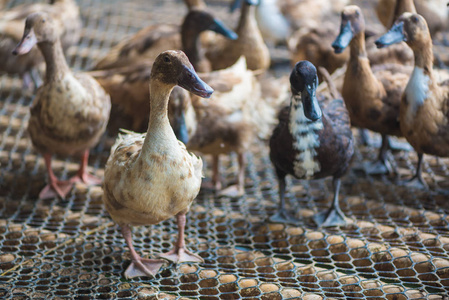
column 398, row 247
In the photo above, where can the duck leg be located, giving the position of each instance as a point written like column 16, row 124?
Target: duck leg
column 179, row 253
column 417, row 180
column 139, row 266
column 55, row 187
column 216, row 178
column 282, row 216
column 82, row 174
column 382, row 165
column 238, row 189
column 334, row 216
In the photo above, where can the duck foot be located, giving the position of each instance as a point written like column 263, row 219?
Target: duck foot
column 332, row 217
column 211, row 186
column 179, row 255
column 396, row 145
column 232, row 191
column 143, row 267
column 282, row 216
column 55, row 189
column 86, row 178
column 416, row 182
column 365, row 139
column 378, row 167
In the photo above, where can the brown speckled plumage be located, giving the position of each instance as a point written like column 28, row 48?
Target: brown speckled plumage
column 151, row 177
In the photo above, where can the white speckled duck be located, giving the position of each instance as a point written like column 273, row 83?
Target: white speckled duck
column 69, row 112
column 151, row 177
column 311, row 142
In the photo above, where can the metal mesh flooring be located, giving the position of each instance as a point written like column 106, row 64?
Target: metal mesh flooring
column 398, row 247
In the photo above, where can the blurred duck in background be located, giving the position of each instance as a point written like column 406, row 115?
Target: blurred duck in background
column 65, row 14
column 69, row 112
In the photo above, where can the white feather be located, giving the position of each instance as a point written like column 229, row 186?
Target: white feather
column 305, row 140
column 416, row 91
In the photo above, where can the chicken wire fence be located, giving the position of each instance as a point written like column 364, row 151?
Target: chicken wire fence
column 397, row 247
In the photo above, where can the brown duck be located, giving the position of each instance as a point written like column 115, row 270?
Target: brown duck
column 69, row 112
column 372, row 95
column 313, row 140
column 151, row 177
column 424, row 111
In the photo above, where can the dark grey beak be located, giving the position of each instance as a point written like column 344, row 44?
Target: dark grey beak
column 220, row 28
column 189, row 80
column 312, row 109
column 343, row 39
column 393, row 36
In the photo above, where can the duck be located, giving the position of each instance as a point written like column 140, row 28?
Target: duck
column 128, row 89
column 64, row 12
column 434, row 11
column 236, row 116
column 372, row 95
column 224, row 53
column 69, row 112
column 151, row 177
column 313, row 140
column 146, row 44
column 424, row 107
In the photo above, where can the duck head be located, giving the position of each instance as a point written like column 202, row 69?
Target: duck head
column 238, row 3
column 410, row 28
column 199, row 20
column 303, row 82
column 352, row 24
column 174, row 68
column 39, row 28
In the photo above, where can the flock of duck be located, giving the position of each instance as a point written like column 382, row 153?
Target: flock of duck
column 151, row 177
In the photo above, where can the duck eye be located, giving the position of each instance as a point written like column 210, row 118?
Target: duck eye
column 166, row 59
column 415, row 19
column 357, row 13
column 43, row 20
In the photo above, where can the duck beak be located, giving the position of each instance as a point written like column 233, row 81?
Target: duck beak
column 180, row 128
column 26, row 44
column 220, row 28
column 312, row 109
column 393, row 36
column 343, row 39
column 189, row 80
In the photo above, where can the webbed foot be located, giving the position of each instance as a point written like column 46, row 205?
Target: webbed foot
column 143, row 267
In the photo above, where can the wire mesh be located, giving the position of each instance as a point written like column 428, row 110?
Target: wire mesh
column 397, row 248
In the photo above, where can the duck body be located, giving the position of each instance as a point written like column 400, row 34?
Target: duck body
column 274, row 26
column 64, row 12
column 150, row 172
column 250, row 44
column 312, row 150
column 60, row 103
column 70, row 111
column 152, row 177
column 313, row 139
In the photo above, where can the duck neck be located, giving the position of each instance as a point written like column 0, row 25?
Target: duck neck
column 424, row 57
column 401, row 7
column 357, row 46
column 247, row 19
column 159, row 128
column 191, row 45
column 54, row 59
